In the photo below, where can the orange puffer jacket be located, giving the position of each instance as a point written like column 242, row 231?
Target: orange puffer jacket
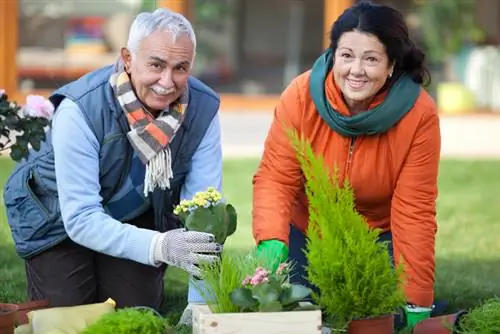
column 393, row 175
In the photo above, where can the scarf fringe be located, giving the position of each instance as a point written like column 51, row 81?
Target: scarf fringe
column 158, row 172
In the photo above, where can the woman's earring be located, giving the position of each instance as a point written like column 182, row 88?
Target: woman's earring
column 390, row 75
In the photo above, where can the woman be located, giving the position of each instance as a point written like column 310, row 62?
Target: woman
column 363, row 108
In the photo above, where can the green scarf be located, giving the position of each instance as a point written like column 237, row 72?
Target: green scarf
column 399, row 101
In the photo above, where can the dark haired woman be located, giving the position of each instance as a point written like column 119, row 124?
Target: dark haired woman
column 363, row 107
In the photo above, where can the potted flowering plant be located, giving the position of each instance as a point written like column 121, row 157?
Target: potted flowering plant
column 266, row 291
column 206, row 212
column 22, row 127
column 246, row 297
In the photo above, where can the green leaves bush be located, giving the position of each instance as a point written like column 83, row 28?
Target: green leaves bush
column 352, row 270
column 17, row 131
column 482, row 319
column 130, row 321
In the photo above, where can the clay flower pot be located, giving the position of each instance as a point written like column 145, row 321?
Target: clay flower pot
column 445, row 324
column 24, row 308
column 379, row 325
column 8, row 318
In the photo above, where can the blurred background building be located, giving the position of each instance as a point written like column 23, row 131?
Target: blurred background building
column 248, row 50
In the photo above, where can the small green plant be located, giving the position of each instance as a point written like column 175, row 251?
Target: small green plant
column 207, row 213
column 352, row 270
column 220, row 278
column 266, row 291
column 130, row 321
column 482, row 319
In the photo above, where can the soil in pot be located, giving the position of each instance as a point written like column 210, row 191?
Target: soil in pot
column 445, row 324
column 378, row 325
column 24, row 308
column 8, row 318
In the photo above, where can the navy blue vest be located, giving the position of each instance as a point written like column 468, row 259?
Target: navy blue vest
column 30, row 194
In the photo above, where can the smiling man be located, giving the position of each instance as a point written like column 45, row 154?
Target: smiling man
column 91, row 211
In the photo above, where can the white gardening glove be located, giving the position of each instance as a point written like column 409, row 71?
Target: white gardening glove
column 183, row 249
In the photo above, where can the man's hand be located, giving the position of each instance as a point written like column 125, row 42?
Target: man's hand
column 274, row 252
column 186, row 249
column 415, row 314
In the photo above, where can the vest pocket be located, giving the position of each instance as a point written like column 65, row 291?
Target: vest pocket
column 28, row 218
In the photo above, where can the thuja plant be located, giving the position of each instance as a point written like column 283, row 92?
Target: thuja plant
column 352, row 270
column 23, row 127
column 482, row 319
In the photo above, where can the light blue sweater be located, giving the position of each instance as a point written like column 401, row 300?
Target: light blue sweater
column 105, row 230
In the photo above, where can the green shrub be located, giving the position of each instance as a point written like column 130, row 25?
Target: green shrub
column 352, row 270
column 482, row 319
column 129, row 321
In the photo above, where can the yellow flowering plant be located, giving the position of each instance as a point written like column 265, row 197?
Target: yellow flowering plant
column 206, row 212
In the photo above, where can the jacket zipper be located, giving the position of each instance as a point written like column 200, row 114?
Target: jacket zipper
column 350, row 153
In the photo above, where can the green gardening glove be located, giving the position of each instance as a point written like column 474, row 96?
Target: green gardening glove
column 415, row 314
column 274, row 252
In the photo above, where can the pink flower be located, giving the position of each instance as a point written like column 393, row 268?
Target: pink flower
column 38, row 106
column 246, row 281
column 261, row 276
column 2, row 92
column 282, row 268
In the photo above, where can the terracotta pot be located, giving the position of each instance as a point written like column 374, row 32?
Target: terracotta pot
column 445, row 324
column 8, row 318
column 24, row 308
column 378, row 325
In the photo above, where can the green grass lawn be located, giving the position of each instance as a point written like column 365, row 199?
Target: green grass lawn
column 468, row 252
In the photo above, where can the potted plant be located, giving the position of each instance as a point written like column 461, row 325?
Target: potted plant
column 360, row 290
column 245, row 297
column 483, row 319
column 444, row 324
column 207, row 212
column 26, row 307
column 22, row 127
column 8, row 318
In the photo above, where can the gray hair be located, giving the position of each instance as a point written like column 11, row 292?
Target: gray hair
column 147, row 23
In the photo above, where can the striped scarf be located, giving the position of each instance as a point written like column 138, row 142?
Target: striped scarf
column 149, row 137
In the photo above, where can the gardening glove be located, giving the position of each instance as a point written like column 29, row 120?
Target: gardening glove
column 415, row 314
column 274, row 253
column 184, row 249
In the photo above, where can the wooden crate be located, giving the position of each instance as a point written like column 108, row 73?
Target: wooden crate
column 296, row 322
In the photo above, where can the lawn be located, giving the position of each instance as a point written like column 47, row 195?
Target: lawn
column 468, row 252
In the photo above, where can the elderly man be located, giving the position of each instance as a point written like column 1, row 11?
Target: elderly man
column 91, row 211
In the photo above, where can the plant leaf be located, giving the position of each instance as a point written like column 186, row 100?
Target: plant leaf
column 243, row 298
column 231, row 218
column 273, row 306
column 203, row 220
column 219, row 210
column 294, row 293
column 265, row 293
column 16, row 153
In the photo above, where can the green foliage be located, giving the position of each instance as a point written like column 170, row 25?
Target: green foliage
column 482, row 319
column 270, row 292
column 447, row 25
column 222, row 277
column 18, row 132
column 346, row 262
column 130, row 321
